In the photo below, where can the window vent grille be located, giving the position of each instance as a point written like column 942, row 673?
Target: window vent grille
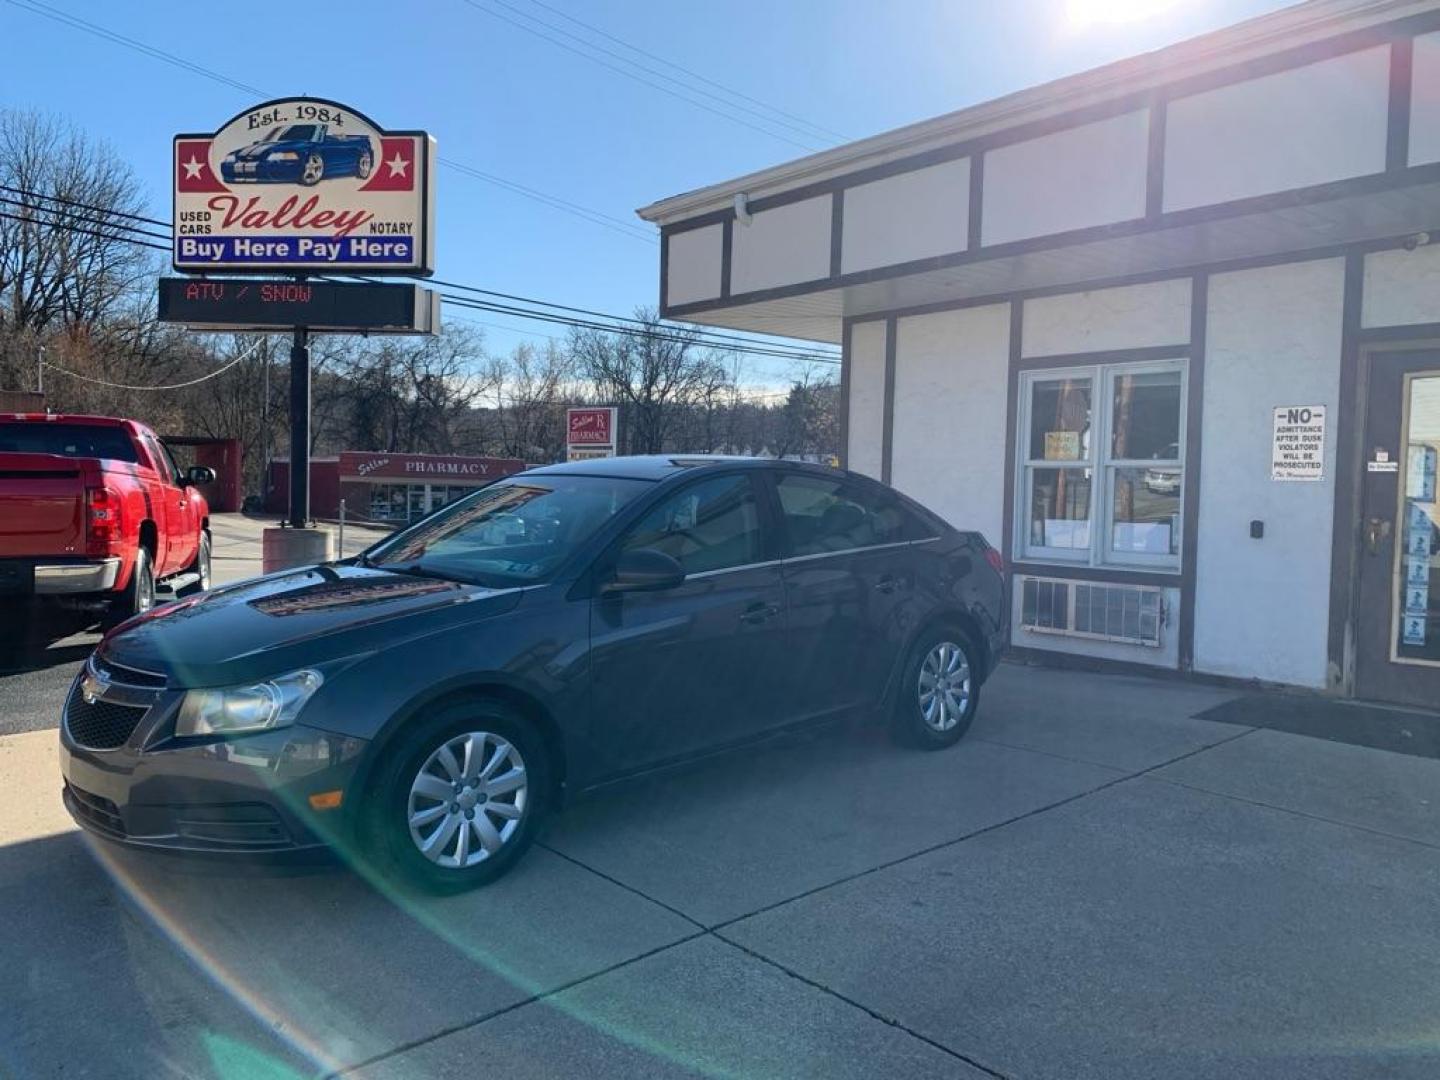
column 1132, row 614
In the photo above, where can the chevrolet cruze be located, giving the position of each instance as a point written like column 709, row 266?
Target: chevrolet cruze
column 420, row 706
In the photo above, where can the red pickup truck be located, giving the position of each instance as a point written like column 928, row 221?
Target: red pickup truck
column 94, row 508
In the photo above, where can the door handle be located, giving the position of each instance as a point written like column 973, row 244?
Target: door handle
column 887, row 584
column 1377, row 531
column 759, row 612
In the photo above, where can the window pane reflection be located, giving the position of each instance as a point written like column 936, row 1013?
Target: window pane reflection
column 1060, row 420
column 1145, row 421
column 1146, row 511
column 1060, row 509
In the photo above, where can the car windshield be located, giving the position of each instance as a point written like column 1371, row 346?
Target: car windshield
column 298, row 132
column 66, row 440
column 514, row 532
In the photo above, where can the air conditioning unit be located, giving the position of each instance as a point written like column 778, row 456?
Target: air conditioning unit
column 1131, row 614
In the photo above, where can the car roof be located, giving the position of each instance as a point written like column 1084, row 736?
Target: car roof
column 662, row 466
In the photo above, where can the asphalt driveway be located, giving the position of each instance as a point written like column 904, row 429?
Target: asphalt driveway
column 1093, row 884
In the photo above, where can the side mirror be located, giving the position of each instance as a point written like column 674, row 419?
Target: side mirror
column 200, row 474
column 644, row 570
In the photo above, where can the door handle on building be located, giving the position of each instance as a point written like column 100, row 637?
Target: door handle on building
column 1377, row 531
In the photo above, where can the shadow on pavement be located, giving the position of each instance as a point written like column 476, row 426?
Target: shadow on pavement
column 45, row 638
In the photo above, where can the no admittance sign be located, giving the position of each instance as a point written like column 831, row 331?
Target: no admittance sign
column 1298, row 451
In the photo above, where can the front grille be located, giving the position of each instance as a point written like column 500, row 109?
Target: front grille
column 101, row 814
column 101, row 726
column 127, row 675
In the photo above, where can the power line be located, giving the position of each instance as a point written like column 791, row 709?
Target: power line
column 69, row 215
column 695, row 338
column 36, row 7
column 172, row 386
column 478, row 6
column 817, row 128
column 705, row 337
column 802, row 128
column 85, row 206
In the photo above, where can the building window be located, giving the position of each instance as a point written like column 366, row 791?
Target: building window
column 1102, row 469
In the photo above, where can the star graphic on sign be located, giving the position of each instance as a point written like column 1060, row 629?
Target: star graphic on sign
column 193, row 168
column 398, row 165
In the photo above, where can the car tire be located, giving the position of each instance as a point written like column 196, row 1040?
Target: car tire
column 939, row 690
column 138, row 596
column 405, row 812
column 313, row 171
column 200, row 566
column 364, row 164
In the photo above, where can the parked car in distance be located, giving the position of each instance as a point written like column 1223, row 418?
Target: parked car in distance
column 94, row 509
column 299, row 154
column 419, row 706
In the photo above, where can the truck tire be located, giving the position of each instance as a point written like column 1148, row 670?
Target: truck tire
column 200, row 566
column 139, row 595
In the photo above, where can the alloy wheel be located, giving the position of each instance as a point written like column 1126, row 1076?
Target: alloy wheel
column 467, row 800
column 314, row 169
column 944, row 686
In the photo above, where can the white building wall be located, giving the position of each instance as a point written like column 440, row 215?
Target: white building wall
column 1272, row 339
column 1088, row 175
column 1425, row 100
column 1401, row 287
column 1128, row 317
column 782, row 246
column 913, row 215
column 1324, row 121
column 866, row 417
column 948, row 444
column 692, row 269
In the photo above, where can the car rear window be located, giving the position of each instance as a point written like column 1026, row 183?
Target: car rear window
column 66, row 440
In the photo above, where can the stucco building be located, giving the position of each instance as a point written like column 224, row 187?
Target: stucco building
column 1168, row 332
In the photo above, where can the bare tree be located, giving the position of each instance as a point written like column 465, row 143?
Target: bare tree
column 530, row 388
column 655, row 377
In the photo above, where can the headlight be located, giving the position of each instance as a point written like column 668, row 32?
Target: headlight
column 283, row 155
column 234, row 709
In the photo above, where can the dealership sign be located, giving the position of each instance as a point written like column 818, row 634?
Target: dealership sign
column 424, row 468
column 303, row 185
column 590, row 433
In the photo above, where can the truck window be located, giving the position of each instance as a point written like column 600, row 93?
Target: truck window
column 66, row 440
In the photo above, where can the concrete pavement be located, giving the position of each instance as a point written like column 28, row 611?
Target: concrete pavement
column 1092, row 884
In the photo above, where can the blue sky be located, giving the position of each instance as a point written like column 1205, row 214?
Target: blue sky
column 508, row 103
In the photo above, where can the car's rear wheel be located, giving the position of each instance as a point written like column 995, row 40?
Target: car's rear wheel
column 313, row 171
column 458, row 798
column 138, row 596
column 364, row 165
column 940, row 690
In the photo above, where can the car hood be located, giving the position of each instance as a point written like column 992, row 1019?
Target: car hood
column 254, row 629
column 258, row 149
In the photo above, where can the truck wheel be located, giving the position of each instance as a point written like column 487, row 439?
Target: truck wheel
column 313, row 171
column 139, row 595
column 200, row 566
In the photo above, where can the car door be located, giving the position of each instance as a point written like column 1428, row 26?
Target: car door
column 687, row 669
column 848, row 578
column 178, row 530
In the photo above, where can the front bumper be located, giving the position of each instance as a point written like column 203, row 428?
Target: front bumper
column 248, row 794
column 261, row 172
column 66, row 579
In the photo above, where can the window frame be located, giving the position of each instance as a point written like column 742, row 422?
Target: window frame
column 1101, row 465
column 768, row 540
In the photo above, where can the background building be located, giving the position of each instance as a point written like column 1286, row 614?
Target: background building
column 1167, row 331
column 384, row 486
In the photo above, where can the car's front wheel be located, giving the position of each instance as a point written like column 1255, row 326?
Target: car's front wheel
column 201, row 566
column 313, row 171
column 940, row 690
column 459, row 796
column 364, row 165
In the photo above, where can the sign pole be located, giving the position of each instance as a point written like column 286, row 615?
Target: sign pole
column 300, row 429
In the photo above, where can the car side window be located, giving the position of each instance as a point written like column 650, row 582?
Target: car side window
column 824, row 514
column 166, row 464
column 711, row 525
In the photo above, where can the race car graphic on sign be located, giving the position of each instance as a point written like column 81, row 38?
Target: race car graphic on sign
column 305, row 186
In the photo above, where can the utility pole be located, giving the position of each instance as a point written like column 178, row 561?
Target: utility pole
column 40, row 369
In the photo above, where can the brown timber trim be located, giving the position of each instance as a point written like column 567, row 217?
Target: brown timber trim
column 846, row 362
column 887, row 443
column 1345, row 528
column 1194, row 447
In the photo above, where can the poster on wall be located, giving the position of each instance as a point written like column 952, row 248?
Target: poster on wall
column 1413, row 630
column 1298, row 448
column 1062, row 446
column 1417, row 600
column 1417, row 571
column 1420, row 473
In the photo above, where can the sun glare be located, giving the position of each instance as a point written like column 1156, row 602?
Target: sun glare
column 1089, row 12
